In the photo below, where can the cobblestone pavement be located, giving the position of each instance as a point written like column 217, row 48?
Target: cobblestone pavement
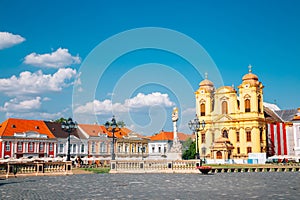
column 263, row 185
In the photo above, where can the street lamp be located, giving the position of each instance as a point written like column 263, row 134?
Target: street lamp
column 113, row 126
column 69, row 126
column 195, row 125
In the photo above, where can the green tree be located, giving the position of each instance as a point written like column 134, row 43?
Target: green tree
column 120, row 124
column 189, row 149
column 60, row 120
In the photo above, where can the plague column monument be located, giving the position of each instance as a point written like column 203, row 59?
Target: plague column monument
column 176, row 149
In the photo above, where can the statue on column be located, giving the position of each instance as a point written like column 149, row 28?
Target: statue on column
column 176, row 149
column 174, row 120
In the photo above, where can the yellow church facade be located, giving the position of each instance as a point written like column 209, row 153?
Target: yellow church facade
column 235, row 123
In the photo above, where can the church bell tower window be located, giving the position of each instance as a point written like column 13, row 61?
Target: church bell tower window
column 202, row 109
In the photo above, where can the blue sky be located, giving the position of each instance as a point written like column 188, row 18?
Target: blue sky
column 45, row 47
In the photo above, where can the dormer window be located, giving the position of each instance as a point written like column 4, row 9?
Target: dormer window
column 37, row 127
column 13, row 126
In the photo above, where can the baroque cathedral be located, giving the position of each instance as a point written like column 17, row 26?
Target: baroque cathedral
column 235, row 123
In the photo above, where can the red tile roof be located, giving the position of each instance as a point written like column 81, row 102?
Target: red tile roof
column 92, row 129
column 11, row 126
column 169, row 136
column 297, row 117
column 119, row 133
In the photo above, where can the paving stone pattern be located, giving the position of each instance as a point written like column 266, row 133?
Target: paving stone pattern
column 263, row 185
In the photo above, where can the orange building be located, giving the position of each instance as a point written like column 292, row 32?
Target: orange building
column 26, row 138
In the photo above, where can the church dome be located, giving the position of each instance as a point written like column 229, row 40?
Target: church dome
column 206, row 82
column 250, row 76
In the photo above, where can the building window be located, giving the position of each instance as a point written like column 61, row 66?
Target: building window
column 153, row 149
column 20, row 146
column 238, row 150
column 41, row 147
column 248, row 134
column 219, row 155
column 132, row 149
column 74, row 148
column 61, row 148
column 102, row 147
column 30, row 147
column 203, row 151
column 165, row 149
column 249, row 149
column 93, row 147
column 159, row 149
column 237, row 137
column 261, row 135
column 7, row 146
column 247, row 105
column 51, row 147
column 82, row 148
column 225, row 134
column 213, row 137
column 258, row 104
column 119, row 148
column 224, row 107
column 203, row 137
column 202, row 109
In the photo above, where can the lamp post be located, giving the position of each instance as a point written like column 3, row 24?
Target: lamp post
column 195, row 125
column 113, row 126
column 69, row 126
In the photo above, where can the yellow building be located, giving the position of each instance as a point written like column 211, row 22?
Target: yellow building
column 234, row 118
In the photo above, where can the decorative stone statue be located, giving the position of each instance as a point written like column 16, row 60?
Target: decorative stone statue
column 175, row 119
column 176, row 149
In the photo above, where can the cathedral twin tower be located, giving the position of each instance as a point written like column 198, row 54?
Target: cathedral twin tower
column 235, row 123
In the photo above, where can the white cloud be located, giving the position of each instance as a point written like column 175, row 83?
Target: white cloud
column 35, row 115
column 21, row 106
column 28, row 108
column 57, row 59
column 100, row 107
column 9, row 39
column 35, row 83
column 154, row 99
column 138, row 102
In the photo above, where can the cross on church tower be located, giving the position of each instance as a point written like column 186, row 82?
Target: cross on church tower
column 250, row 68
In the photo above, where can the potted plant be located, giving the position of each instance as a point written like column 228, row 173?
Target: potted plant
column 204, row 169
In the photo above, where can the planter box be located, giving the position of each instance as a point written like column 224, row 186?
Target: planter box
column 204, row 169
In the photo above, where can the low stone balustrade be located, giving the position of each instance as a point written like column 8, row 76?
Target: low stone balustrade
column 154, row 166
column 34, row 168
column 189, row 166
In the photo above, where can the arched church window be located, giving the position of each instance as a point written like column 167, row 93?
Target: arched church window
column 224, row 107
column 225, row 134
column 247, row 105
column 202, row 109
